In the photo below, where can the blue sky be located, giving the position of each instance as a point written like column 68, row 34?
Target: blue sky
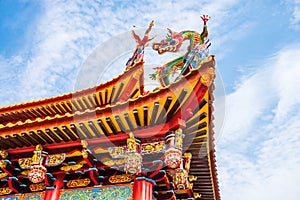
column 43, row 45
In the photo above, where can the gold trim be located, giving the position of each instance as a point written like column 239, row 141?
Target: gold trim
column 3, row 174
column 197, row 195
column 3, row 164
column 3, row 154
column 78, row 183
column 5, row 190
column 208, row 77
column 37, row 187
column 74, row 167
column 121, row 178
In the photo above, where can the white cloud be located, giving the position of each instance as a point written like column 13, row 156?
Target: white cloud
column 258, row 154
column 295, row 13
column 67, row 32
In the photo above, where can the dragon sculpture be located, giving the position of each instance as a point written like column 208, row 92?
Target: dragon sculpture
column 197, row 51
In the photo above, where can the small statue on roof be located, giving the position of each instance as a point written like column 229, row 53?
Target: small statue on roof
column 138, row 55
column 143, row 42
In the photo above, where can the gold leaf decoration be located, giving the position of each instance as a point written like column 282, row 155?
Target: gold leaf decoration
column 5, row 190
column 121, row 178
column 37, row 187
column 78, row 183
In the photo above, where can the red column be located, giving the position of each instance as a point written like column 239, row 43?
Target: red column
column 143, row 188
column 48, row 193
column 54, row 194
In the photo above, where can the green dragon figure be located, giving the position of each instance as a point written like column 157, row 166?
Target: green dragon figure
column 196, row 52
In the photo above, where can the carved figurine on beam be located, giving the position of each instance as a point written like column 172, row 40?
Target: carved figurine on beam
column 37, row 171
column 86, row 154
column 173, row 154
column 133, row 157
column 181, row 177
column 35, row 167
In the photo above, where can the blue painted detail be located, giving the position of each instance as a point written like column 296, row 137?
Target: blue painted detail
column 50, row 188
column 7, row 161
column 171, row 135
column 14, row 178
column 49, row 174
column 105, row 193
column 157, row 161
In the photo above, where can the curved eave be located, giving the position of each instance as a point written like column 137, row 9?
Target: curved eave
column 199, row 140
column 212, row 152
column 155, row 108
column 113, row 91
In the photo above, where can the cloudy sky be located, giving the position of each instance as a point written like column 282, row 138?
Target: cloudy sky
column 44, row 45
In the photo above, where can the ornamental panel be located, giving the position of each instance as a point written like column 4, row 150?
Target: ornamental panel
column 120, row 192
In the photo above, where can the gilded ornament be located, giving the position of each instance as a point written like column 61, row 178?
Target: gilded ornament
column 119, row 161
column 189, row 186
column 5, row 190
column 116, row 152
column 178, row 138
column 56, row 159
column 197, row 195
column 188, row 159
column 192, row 178
column 85, row 153
column 138, row 73
column 173, row 157
column 133, row 162
column 36, row 158
column 173, row 154
column 39, row 147
column 37, row 187
column 180, row 179
column 37, row 173
column 3, row 174
column 155, row 147
column 133, row 157
column 25, row 172
column 3, row 154
column 121, row 178
column 131, row 143
column 207, row 78
column 84, row 144
column 25, row 163
column 3, row 164
column 114, row 162
column 74, row 167
column 78, row 183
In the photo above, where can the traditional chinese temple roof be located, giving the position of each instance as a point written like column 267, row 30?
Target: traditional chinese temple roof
column 82, row 135
column 108, row 93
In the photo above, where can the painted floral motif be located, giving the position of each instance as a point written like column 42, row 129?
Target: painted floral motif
column 29, row 196
column 108, row 193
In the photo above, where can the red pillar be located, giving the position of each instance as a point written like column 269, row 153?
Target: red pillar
column 54, row 194
column 49, row 192
column 143, row 188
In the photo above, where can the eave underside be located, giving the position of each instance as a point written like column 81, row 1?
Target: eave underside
column 156, row 113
